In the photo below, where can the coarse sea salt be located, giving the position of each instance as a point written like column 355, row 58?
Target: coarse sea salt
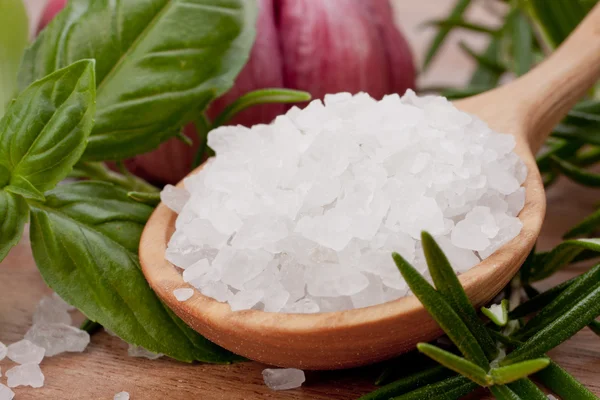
column 6, row 393
column 302, row 215
column 3, row 351
column 283, row 378
column 26, row 352
column 25, row 375
column 121, row 396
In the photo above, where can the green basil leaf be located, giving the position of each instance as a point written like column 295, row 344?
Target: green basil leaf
column 545, row 264
column 502, row 392
column 563, row 384
column 45, row 130
column 14, row 213
column 457, row 13
column 13, row 40
column 410, row 383
column 514, row 372
column 85, row 240
column 526, row 389
column 457, row 364
column 449, row 389
column 559, row 330
column 447, row 284
column 564, row 302
column 157, row 61
column 442, row 312
column 497, row 313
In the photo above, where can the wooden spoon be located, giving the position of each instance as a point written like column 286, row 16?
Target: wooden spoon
column 528, row 108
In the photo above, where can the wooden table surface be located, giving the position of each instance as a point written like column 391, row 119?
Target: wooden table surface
column 105, row 368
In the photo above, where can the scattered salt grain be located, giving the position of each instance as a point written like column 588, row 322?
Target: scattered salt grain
column 3, row 351
column 139, row 351
column 121, row 396
column 25, row 375
column 58, row 338
column 26, row 352
column 51, row 310
column 183, row 294
column 6, row 393
column 550, row 397
column 302, row 215
column 283, row 379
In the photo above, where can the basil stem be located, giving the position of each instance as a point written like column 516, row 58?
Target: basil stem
column 99, row 171
column 257, row 97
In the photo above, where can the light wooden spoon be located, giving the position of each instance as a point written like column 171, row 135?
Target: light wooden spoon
column 528, row 108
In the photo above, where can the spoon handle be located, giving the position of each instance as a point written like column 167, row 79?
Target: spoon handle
column 550, row 90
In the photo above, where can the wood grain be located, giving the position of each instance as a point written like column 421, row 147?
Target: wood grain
column 105, row 369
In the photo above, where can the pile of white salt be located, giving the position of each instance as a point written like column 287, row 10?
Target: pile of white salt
column 302, row 215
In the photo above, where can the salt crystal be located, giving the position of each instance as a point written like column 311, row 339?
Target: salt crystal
column 3, row 351
column 283, row 379
column 121, row 396
column 49, row 310
column 174, row 198
column 245, row 299
column 26, row 352
column 139, row 351
column 58, row 338
column 183, row 294
column 6, row 393
column 550, row 397
column 25, row 375
column 302, row 215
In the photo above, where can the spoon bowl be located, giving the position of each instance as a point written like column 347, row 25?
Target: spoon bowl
column 527, row 108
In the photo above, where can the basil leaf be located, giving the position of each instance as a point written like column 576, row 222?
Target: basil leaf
column 85, row 240
column 156, row 61
column 13, row 216
column 44, row 131
column 13, row 40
